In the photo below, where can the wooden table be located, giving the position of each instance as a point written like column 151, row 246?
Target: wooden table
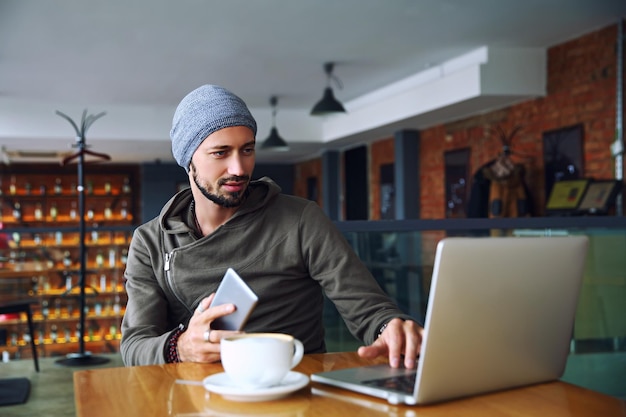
column 156, row 391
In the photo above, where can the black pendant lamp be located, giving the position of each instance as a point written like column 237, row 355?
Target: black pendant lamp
column 328, row 104
column 274, row 142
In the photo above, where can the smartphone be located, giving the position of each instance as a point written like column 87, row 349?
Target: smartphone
column 233, row 289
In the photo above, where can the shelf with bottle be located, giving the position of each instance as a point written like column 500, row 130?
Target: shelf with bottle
column 59, row 251
column 26, row 183
column 43, row 265
column 57, row 296
column 40, row 252
column 63, row 336
column 107, row 309
column 30, row 198
column 56, row 309
column 38, row 238
column 58, row 339
column 35, row 211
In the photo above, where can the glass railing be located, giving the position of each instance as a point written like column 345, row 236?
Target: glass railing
column 400, row 255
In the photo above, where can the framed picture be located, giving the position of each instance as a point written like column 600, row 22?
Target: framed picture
column 599, row 197
column 562, row 155
column 566, row 196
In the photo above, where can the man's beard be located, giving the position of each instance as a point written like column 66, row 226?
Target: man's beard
column 229, row 200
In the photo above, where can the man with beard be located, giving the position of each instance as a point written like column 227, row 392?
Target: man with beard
column 284, row 247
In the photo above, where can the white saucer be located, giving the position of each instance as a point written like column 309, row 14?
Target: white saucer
column 223, row 385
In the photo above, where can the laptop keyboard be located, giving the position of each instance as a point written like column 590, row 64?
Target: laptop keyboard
column 401, row 383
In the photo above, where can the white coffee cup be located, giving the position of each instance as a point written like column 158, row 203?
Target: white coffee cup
column 260, row 360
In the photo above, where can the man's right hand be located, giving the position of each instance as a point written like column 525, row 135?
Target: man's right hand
column 199, row 343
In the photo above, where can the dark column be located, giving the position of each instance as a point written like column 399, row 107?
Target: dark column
column 356, row 185
column 159, row 182
column 331, row 190
column 406, row 174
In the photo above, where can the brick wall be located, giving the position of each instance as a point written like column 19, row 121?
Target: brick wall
column 304, row 171
column 581, row 89
column 380, row 153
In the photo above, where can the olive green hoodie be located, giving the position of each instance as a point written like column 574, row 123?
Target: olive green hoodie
column 286, row 249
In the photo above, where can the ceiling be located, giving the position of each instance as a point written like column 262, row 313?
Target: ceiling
column 136, row 59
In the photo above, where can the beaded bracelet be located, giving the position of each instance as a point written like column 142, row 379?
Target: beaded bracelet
column 172, row 346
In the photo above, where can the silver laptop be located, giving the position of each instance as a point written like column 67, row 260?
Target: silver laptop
column 500, row 315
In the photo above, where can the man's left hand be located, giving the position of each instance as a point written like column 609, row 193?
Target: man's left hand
column 400, row 338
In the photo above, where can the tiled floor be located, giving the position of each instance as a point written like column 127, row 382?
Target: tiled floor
column 52, row 390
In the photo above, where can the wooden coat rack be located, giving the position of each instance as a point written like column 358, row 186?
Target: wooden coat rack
column 82, row 357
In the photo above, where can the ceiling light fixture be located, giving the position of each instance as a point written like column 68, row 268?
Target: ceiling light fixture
column 274, row 142
column 328, row 104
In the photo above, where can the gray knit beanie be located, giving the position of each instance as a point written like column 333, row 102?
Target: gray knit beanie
column 205, row 110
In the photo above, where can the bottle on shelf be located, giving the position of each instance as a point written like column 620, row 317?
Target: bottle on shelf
column 126, row 186
column 44, row 284
column 116, row 305
column 54, row 333
column 17, row 238
column 38, row 212
column 54, row 212
column 45, row 310
column 97, row 309
column 58, row 186
column 13, row 186
column 103, row 283
column 26, row 336
column 34, row 286
column 108, row 213
column 67, row 334
column 67, row 259
column 114, row 284
column 17, row 211
column 112, row 256
column 73, row 210
column 99, row 259
column 124, row 210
